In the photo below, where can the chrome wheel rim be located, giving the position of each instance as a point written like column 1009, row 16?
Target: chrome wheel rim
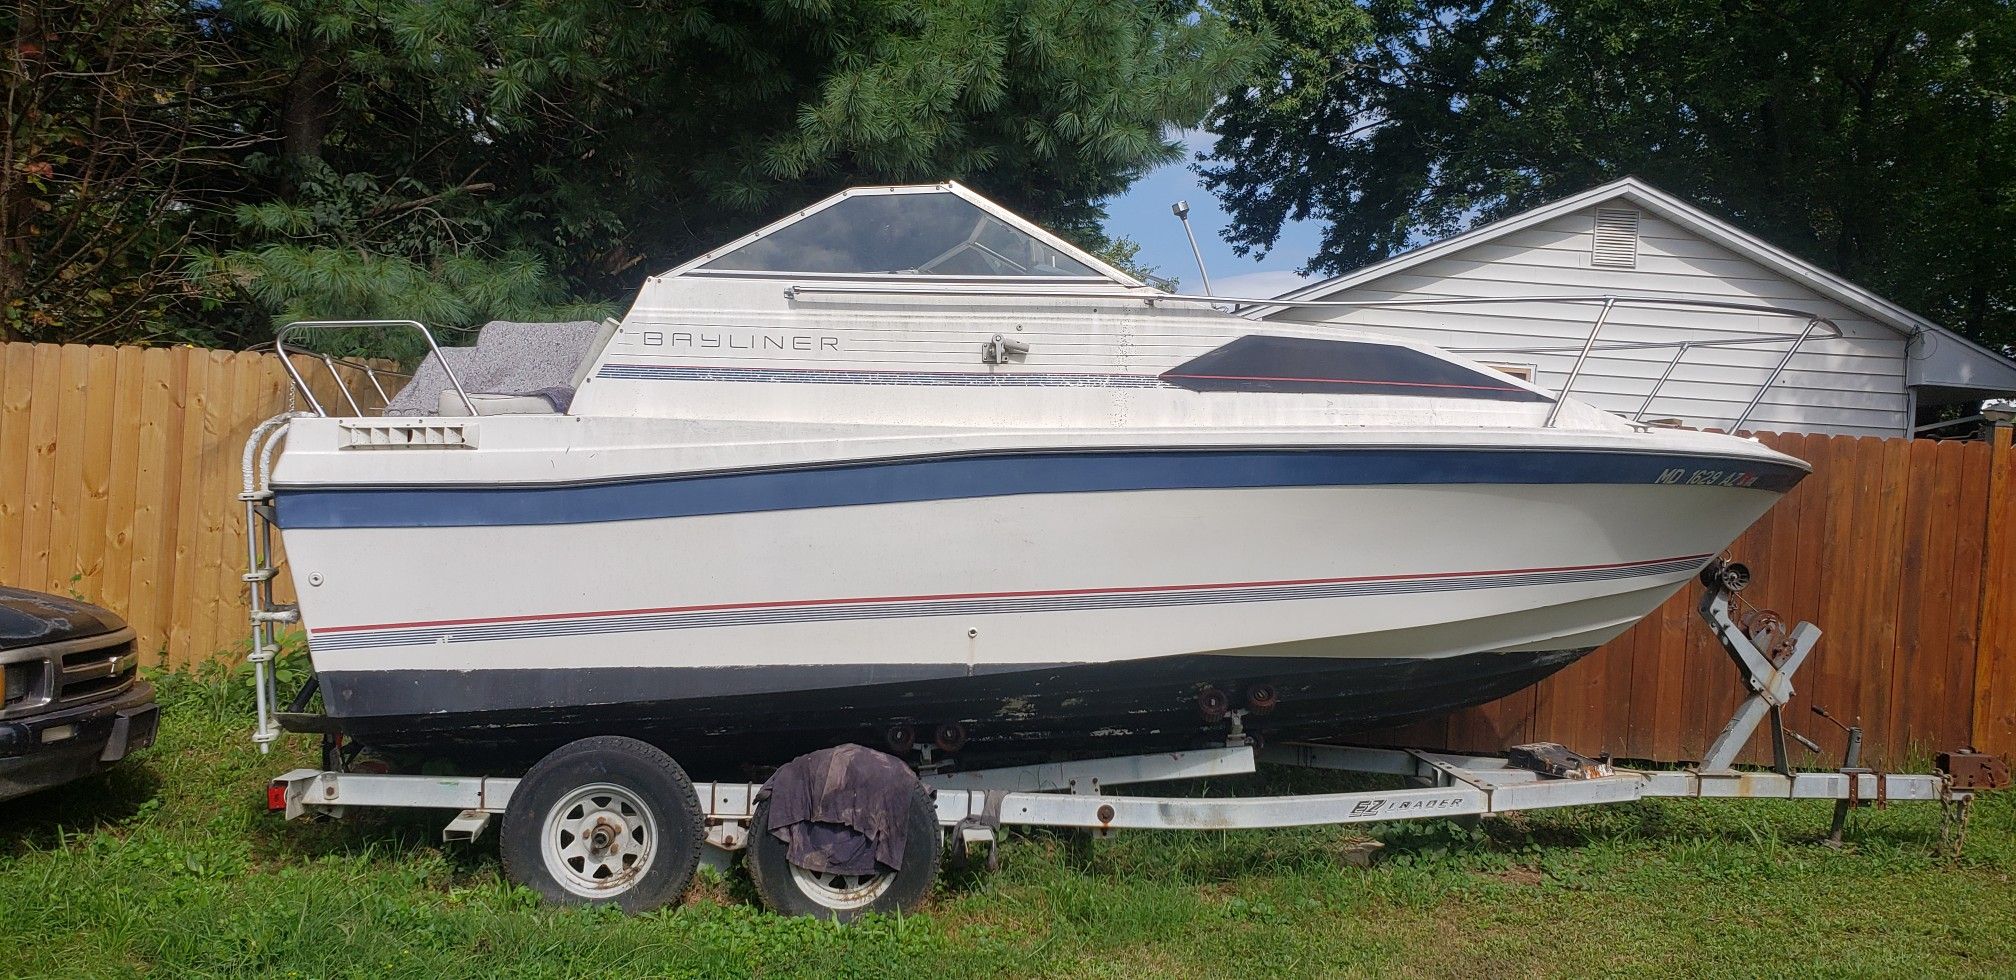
column 842, row 892
column 599, row 840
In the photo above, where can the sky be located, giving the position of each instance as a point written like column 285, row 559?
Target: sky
column 1142, row 214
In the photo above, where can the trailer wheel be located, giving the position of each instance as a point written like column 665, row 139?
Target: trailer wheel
column 791, row 890
column 604, row 821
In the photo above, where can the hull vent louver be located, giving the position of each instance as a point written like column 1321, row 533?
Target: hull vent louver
column 408, row 435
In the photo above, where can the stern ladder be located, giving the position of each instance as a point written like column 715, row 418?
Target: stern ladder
column 268, row 615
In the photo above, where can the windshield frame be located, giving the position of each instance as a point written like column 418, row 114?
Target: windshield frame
column 1104, row 271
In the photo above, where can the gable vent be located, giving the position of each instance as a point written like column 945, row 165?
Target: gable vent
column 1616, row 238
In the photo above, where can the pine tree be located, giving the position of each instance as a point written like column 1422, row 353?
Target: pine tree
column 459, row 160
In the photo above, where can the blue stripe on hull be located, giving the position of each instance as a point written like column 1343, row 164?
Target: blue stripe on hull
column 998, row 475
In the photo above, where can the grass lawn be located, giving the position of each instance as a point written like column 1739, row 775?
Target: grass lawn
column 171, row 865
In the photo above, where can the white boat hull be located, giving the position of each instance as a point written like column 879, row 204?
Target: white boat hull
column 1048, row 616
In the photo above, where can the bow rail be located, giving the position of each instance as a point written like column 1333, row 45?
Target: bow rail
column 371, row 372
column 1606, row 303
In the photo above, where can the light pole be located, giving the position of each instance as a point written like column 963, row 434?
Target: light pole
column 1181, row 209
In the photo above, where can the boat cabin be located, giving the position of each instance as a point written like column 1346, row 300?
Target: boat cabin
column 931, row 305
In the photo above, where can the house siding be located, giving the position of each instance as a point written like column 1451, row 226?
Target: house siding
column 1853, row 385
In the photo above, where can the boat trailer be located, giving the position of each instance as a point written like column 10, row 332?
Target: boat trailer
column 976, row 806
column 1072, row 794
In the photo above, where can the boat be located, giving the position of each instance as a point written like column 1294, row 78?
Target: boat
column 905, row 468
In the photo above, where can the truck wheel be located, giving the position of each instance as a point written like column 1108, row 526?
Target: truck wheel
column 604, row 821
column 791, row 890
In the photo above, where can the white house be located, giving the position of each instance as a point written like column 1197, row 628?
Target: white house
column 1642, row 246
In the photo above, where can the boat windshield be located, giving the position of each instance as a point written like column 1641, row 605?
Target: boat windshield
column 930, row 234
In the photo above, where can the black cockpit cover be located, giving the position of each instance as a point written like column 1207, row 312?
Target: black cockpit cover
column 1305, row 365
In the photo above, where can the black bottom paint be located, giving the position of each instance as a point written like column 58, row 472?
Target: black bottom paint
column 715, row 723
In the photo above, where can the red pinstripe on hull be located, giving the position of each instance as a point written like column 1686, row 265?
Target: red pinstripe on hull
column 1112, row 590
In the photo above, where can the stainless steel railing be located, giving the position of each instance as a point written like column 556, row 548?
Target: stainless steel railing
column 371, row 372
column 1591, row 346
column 1680, row 351
column 1606, row 303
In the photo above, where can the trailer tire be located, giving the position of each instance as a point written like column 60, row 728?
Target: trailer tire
column 604, row 821
column 790, row 890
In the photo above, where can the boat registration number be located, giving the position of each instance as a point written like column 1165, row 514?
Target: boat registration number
column 1682, row 476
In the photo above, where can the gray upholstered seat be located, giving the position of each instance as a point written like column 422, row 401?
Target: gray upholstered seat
column 516, row 366
column 422, row 394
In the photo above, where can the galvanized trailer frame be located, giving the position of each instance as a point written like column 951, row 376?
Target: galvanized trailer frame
column 978, row 804
column 1072, row 794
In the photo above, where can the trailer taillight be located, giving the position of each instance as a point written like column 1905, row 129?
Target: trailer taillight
column 276, row 798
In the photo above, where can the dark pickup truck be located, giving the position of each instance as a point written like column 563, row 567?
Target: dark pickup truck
column 71, row 698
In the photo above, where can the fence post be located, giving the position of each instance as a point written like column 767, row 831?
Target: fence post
column 1994, row 724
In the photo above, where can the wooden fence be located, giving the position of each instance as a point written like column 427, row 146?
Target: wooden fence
column 119, row 469
column 1902, row 551
column 119, row 477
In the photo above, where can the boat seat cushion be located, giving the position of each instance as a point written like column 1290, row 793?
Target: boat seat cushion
column 422, row 394
column 518, row 358
column 509, row 359
column 550, row 401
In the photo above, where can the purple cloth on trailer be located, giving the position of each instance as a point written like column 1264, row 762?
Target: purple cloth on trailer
column 843, row 810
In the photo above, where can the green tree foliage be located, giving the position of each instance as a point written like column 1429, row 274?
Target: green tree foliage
column 1125, row 254
column 115, row 115
column 348, row 246
column 463, row 159
column 1875, row 138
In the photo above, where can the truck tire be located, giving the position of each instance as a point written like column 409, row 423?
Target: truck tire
column 604, row 821
column 787, row 889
